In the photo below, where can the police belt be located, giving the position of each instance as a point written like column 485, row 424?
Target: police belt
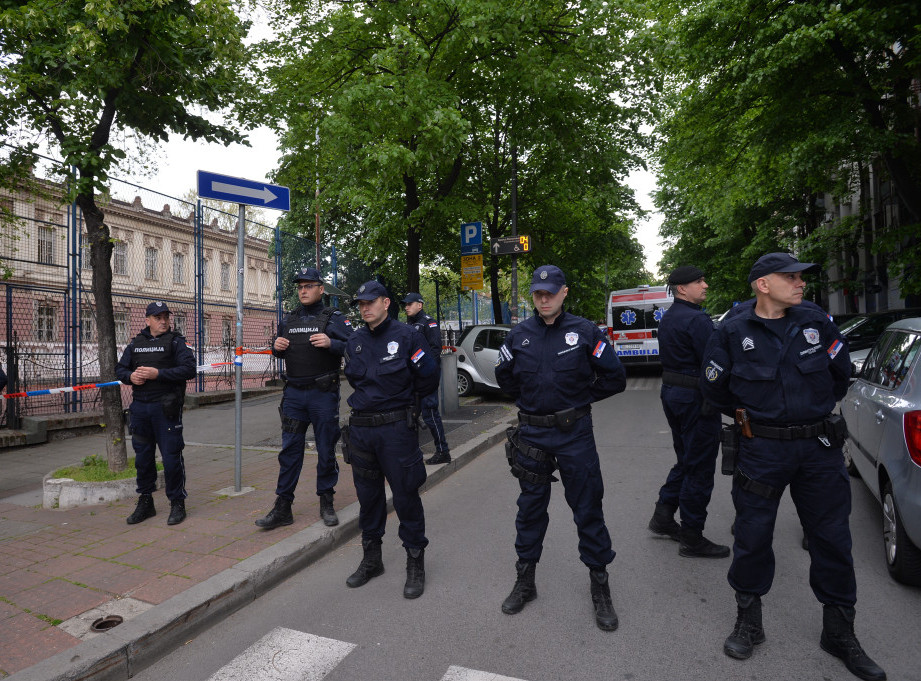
column 363, row 419
column 561, row 418
column 791, row 432
column 308, row 383
column 680, row 380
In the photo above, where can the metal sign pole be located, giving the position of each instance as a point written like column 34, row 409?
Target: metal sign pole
column 238, row 358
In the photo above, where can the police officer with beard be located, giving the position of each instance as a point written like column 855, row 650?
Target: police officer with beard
column 311, row 340
column 157, row 364
column 779, row 368
column 428, row 327
column 389, row 365
column 555, row 365
column 695, row 425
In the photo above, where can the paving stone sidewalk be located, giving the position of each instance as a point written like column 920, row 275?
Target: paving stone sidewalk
column 61, row 570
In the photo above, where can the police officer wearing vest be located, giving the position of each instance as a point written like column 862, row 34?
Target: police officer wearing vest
column 311, row 340
column 555, row 365
column 157, row 364
column 428, row 327
column 389, row 365
column 778, row 368
column 695, row 425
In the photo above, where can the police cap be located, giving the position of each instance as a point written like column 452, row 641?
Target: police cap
column 370, row 290
column 157, row 308
column 548, row 278
column 307, row 274
column 413, row 298
column 685, row 275
column 778, row 262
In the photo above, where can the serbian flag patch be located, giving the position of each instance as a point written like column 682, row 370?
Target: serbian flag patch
column 599, row 348
column 417, row 355
column 835, row 348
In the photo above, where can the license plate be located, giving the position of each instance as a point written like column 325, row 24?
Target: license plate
column 629, row 346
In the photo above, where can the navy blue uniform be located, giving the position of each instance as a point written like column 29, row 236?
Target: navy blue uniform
column 428, row 327
column 156, row 408
column 387, row 367
column 788, row 371
column 311, row 395
column 548, row 369
column 683, row 335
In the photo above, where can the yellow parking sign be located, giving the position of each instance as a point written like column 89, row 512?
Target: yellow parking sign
column 472, row 272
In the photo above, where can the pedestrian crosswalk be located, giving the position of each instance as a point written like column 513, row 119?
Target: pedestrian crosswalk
column 291, row 655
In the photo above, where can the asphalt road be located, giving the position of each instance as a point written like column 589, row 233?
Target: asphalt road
column 674, row 612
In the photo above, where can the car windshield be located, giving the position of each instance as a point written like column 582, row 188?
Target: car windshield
column 849, row 325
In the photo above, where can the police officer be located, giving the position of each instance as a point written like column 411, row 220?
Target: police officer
column 428, row 327
column 389, row 365
column 695, row 425
column 311, row 340
column 157, row 364
column 779, row 368
column 556, row 364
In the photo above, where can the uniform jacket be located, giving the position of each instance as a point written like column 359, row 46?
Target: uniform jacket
column 297, row 326
column 788, row 379
column 174, row 359
column 683, row 335
column 428, row 327
column 551, row 368
column 388, row 366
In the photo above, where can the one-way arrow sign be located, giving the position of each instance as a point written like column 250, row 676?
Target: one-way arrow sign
column 238, row 190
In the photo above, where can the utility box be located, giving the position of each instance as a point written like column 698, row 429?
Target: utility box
column 450, row 402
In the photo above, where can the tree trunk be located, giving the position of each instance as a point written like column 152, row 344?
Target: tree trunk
column 101, row 258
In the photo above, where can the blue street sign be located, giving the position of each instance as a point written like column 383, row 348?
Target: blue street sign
column 238, row 190
column 472, row 235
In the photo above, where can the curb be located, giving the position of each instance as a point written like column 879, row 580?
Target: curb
column 141, row 641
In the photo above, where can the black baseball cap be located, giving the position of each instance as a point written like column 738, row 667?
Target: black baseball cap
column 370, row 290
column 684, row 275
column 548, row 278
column 778, row 262
column 413, row 298
column 157, row 308
column 308, row 274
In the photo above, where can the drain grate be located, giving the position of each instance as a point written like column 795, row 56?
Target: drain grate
column 106, row 623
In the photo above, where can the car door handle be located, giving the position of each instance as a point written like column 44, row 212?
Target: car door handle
column 856, row 404
column 880, row 416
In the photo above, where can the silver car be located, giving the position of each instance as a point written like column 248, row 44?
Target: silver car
column 477, row 352
column 883, row 413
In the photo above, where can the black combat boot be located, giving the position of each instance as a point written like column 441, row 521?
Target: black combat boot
column 176, row 512
column 838, row 638
column 144, row 510
column 695, row 545
column 524, row 590
column 278, row 516
column 748, row 631
column 371, row 565
column 439, row 457
column 605, row 617
column 415, row 573
column 327, row 512
column 663, row 522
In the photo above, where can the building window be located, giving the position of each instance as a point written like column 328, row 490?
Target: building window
column 225, row 276
column 227, row 331
column 120, row 257
column 151, row 270
column 178, row 268
column 45, row 321
column 85, row 255
column 87, row 325
column 205, row 338
column 121, row 328
column 204, row 272
column 179, row 323
column 45, row 245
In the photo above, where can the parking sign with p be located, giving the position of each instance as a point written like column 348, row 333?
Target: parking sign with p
column 471, row 238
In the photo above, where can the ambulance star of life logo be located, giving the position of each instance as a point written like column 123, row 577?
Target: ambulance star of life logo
column 658, row 314
column 392, row 347
column 812, row 335
column 748, row 344
column 572, row 338
column 628, row 317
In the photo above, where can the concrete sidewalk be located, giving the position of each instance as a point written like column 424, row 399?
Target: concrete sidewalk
column 62, row 570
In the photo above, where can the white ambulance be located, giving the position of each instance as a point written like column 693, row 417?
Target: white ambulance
column 633, row 322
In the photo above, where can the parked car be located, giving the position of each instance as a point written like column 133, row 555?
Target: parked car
column 863, row 330
column 477, row 352
column 883, row 413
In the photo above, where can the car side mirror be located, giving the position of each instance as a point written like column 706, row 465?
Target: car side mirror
column 855, row 371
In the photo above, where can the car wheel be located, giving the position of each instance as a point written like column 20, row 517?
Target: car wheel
column 849, row 459
column 902, row 557
column 464, row 383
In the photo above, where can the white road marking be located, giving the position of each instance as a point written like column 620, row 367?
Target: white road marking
column 285, row 655
column 464, row 674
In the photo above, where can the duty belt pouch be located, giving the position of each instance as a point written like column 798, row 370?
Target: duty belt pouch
column 836, row 430
column 730, row 437
column 509, row 444
column 566, row 419
column 126, row 416
column 327, row 382
column 346, row 438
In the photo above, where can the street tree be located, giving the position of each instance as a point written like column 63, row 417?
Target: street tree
column 84, row 77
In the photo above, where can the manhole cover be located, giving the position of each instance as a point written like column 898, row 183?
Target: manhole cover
column 106, row 623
